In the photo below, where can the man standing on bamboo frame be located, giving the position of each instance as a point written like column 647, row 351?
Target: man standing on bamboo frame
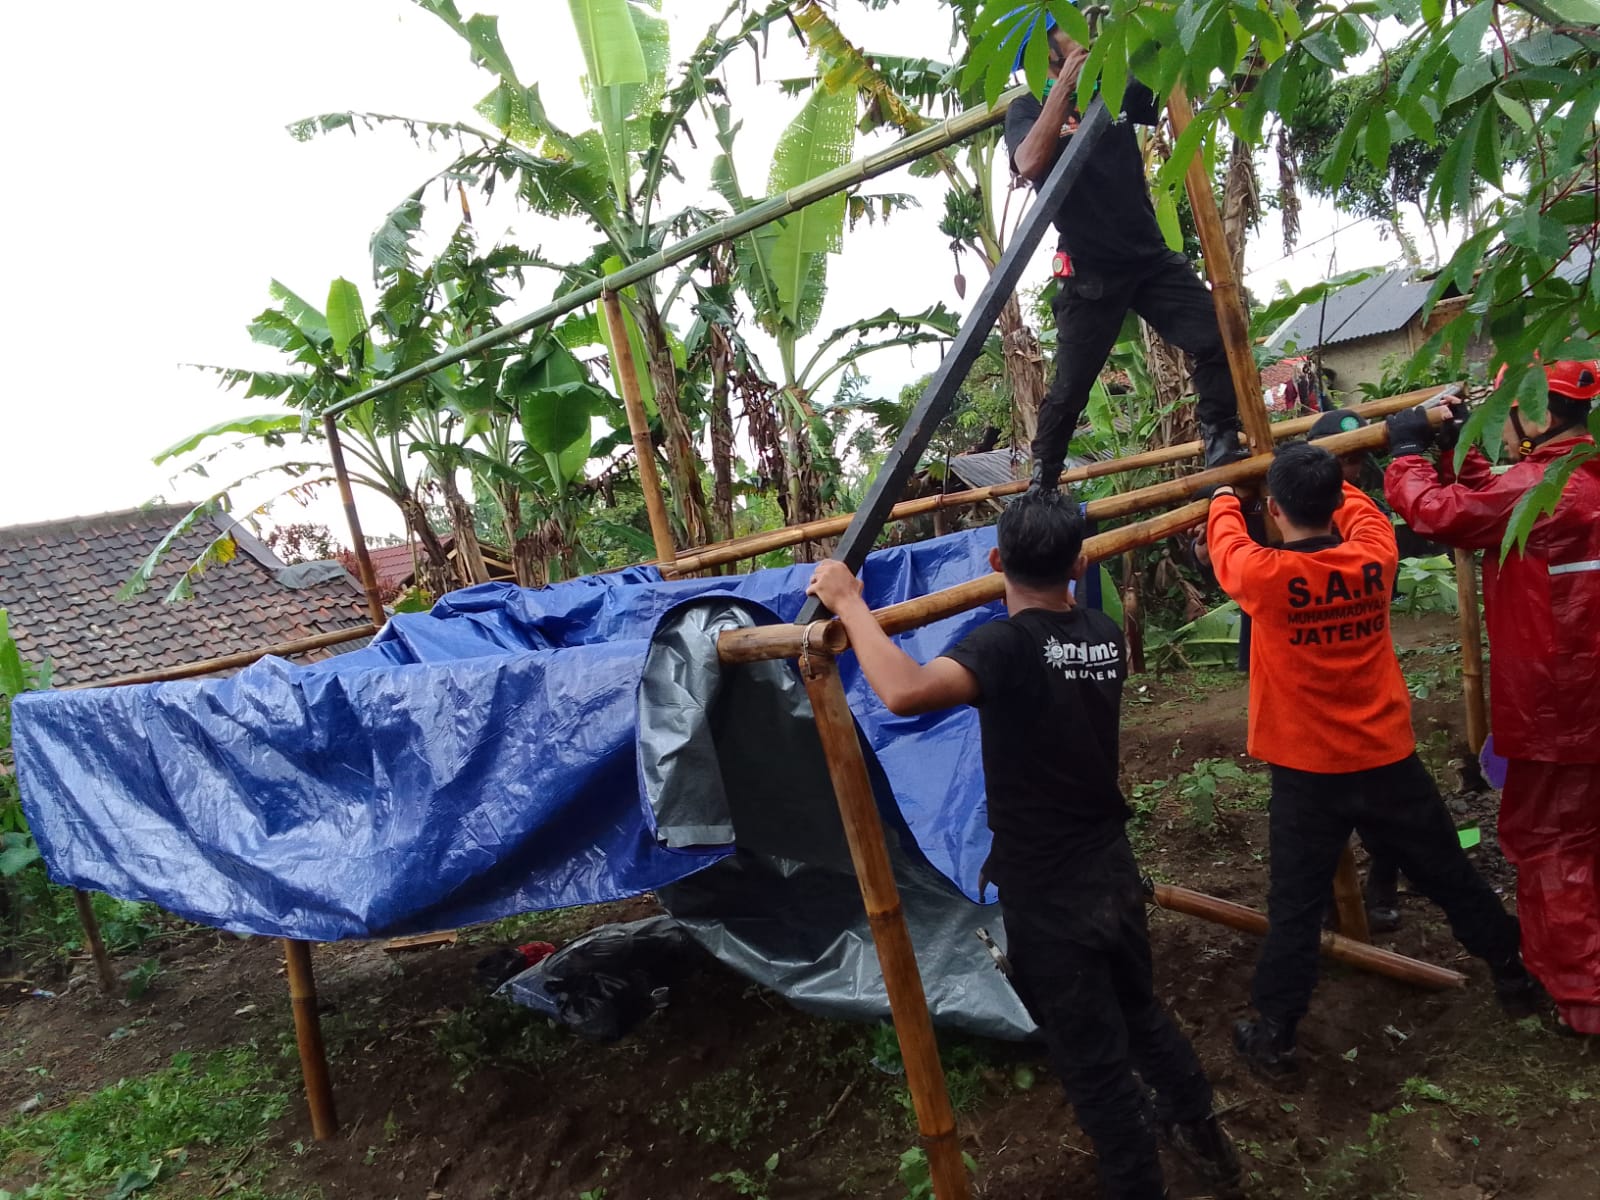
column 1112, row 259
column 1543, row 608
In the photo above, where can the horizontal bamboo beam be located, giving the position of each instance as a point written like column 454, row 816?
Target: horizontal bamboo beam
column 208, row 666
column 785, row 641
column 1356, row 954
column 902, row 152
column 762, row 642
column 752, row 545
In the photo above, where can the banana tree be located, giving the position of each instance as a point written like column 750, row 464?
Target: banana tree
column 782, row 271
column 610, row 174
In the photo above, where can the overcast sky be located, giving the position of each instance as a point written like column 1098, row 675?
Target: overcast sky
column 152, row 193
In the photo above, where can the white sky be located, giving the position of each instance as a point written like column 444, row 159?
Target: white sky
column 152, row 192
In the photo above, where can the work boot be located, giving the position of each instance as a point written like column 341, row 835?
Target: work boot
column 1221, row 442
column 1207, row 1151
column 1381, row 895
column 1045, row 478
column 1267, row 1047
column 1519, row 993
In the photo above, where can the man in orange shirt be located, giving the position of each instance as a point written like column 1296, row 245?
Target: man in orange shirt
column 1320, row 603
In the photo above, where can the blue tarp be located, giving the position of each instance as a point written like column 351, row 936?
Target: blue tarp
column 473, row 762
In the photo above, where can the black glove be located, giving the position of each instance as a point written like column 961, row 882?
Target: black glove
column 1449, row 433
column 1409, row 432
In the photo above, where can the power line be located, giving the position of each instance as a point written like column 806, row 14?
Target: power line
column 1307, row 245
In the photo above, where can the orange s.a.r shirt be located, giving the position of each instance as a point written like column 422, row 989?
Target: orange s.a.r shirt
column 1326, row 690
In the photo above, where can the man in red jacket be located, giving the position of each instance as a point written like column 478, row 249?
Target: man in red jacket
column 1543, row 607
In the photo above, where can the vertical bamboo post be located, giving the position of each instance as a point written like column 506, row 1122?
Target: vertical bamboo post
column 1471, row 649
column 1225, row 293
column 97, row 945
column 1349, row 905
column 369, row 577
column 907, row 1002
column 639, row 426
column 308, row 1035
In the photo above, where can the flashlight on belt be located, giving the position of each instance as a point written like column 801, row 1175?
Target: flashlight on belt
column 1061, row 265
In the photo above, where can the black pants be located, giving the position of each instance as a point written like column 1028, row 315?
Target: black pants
column 1090, row 308
column 1402, row 819
column 1080, row 959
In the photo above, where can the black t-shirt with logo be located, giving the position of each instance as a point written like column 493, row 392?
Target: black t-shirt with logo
column 1050, row 696
column 1106, row 222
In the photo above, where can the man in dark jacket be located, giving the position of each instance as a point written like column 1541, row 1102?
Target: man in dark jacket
column 1542, row 604
column 1117, row 261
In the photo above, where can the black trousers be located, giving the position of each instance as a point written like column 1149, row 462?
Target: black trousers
column 1402, row 819
column 1090, row 308
column 1080, row 959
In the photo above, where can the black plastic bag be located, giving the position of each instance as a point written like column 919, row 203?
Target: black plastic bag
column 603, row 984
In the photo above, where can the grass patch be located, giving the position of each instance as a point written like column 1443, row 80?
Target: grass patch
column 730, row 1108
column 139, row 1132
column 1369, row 1168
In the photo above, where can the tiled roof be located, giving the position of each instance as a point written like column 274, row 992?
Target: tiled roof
column 1275, row 375
column 59, row 583
column 393, row 565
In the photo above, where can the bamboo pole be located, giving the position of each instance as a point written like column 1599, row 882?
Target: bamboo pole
column 639, row 426
column 762, row 642
column 225, row 662
column 308, row 1036
column 1471, row 648
column 898, row 154
column 784, row 641
column 1350, row 908
column 97, row 945
column 907, row 1002
column 753, row 545
column 1225, row 293
column 1356, row 954
column 369, row 577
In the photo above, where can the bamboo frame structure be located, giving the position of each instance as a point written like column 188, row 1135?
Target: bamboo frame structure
column 639, row 426
column 1470, row 622
column 227, row 662
column 913, row 1024
column 753, row 545
column 308, row 1038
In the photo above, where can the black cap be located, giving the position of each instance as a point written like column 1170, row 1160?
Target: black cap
column 1338, row 420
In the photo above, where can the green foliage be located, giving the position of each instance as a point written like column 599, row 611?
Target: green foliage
column 916, row 1175
column 493, row 1031
column 1494, row 120
column 1369, row 1168
column 126, row 1138
column 730, row 1108
column 1209, row 640
column 1425, row 585
column 1200, row 785
column 743, row 1183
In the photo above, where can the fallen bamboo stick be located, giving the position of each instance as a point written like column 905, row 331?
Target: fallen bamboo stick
column 908, row 1003
column 243, row 658
column 1356, row 954
column 752, row 545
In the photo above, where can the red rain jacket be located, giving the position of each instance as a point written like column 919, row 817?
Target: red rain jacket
column 1542, row 605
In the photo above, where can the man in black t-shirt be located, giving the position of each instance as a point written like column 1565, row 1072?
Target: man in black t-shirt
column 1047, row 683
column 1118, row 261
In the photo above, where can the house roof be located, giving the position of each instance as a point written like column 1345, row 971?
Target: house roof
column 394, row 566
column 1275, row 375
column 1378, row 304
column 59, row 582
column 990, row 468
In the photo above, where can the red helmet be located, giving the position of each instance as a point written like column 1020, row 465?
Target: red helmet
column 1578, row 381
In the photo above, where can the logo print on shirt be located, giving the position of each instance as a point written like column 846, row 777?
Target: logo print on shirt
column 1082, row 660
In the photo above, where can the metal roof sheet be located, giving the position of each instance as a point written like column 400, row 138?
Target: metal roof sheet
column 1379, row 304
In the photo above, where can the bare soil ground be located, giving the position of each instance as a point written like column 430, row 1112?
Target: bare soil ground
column 445, row 1093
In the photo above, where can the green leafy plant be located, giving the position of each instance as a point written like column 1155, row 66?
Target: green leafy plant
column 129, row 1136
column 1425, row 585
column 916, row 1176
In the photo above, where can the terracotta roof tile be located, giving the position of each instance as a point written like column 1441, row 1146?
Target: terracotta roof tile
column 58, row 582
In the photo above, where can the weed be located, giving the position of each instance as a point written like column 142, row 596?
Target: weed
column 916, row 1176
column 126, row 1137
column 1211, row 780
column 729, row 1108
column 744, row 1183
column 1369, row 1168
column 140, row 978
column 495, row 1031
